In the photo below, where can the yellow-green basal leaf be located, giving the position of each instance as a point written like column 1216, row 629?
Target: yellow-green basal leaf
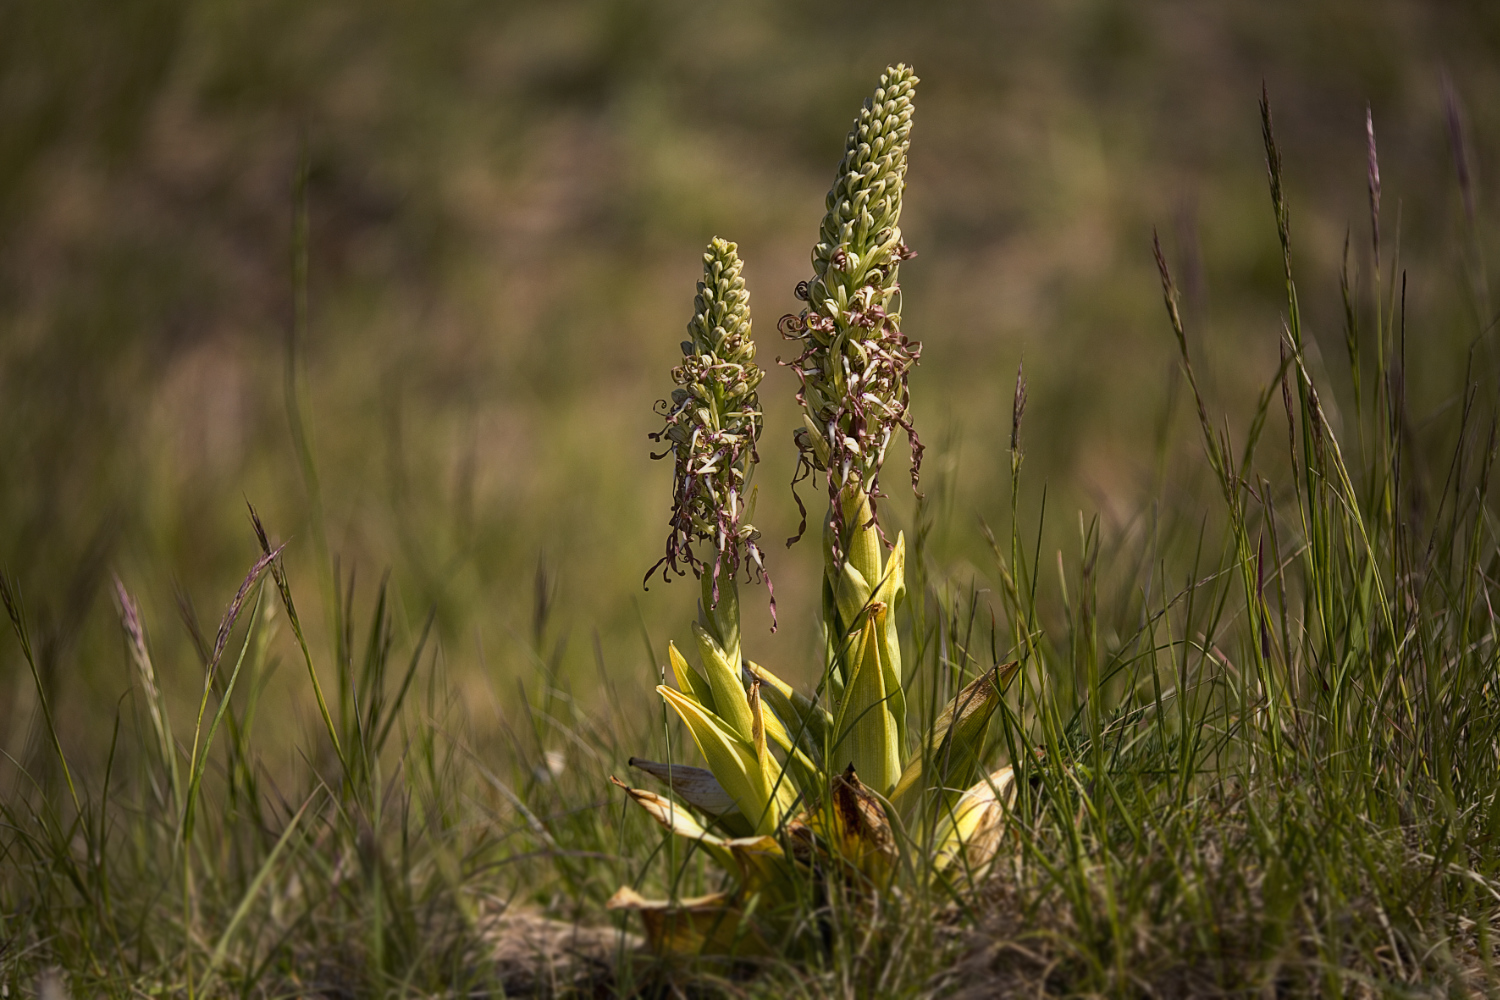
column 723, row 676
column 969, row 832
column 869, row 737
column 949, row 755
column 689, row 681
column 731, row 759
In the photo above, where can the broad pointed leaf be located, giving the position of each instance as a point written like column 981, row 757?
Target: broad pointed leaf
column 676, row 819
column 890, row 586
column 868, row 736
column 731, row 759
column 949, row 757
column 758, row 858
column 807, row 722
column 802, row 773
column 853, row 595
column 724, row 678
column 758, row 729
column 689, row 681
column 697, row 786
column 969, row 833
column 783, row 788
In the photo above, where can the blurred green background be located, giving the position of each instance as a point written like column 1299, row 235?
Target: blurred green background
column 508, row 203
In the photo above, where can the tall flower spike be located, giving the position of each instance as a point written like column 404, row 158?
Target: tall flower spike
column 712, row 424
column 854, row 361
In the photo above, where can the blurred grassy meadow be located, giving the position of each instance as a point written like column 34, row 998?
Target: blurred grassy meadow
column 506, row 209
column 507, row 204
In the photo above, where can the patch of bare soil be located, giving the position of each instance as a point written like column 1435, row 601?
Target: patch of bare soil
column 537, row 956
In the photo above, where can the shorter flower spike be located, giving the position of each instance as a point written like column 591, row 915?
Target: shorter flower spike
column 713, row 422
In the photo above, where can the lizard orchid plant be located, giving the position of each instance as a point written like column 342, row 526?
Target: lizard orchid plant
column 801, row 789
